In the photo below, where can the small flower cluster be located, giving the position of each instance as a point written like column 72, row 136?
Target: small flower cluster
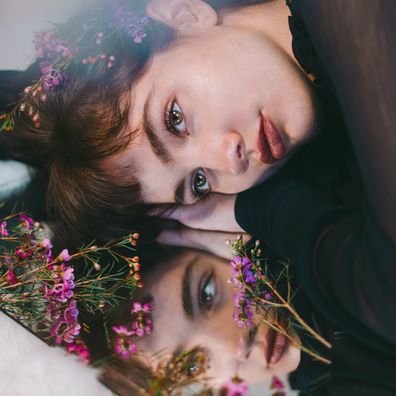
column 57, row 54
column 247, row 281
column 140, row 326
column 38, row 288
column 62, row 311
column 49, row 46
column 259, row 297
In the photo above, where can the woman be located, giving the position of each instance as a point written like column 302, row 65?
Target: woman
column 75, row 141
column 342, row 237
column 192, row 307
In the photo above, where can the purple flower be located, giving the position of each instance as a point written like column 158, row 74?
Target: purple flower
column 46, row 243
column 131, row 24
column 64, row 255
column 138, row 307
column 26, row 221
column 62, row 289
column 249, row 277
column 66, row 327
column 3, row 230
column 141, row 314
column 123, row 344
column 52, row 78
column 125, row 347
column 244, row 314
column 268, row 296
column 48, row 46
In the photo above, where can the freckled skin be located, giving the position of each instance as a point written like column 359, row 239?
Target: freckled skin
column 222, row 77
column 215, row 331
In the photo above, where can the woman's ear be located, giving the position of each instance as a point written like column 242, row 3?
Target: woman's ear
column 183, row 15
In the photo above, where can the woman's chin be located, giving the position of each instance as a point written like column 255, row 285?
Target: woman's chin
column 289, row 362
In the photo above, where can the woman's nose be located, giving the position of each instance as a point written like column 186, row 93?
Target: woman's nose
column 233, row 153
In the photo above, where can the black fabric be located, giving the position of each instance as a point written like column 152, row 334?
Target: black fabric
column 332, row 209
column 9, row 92
column 31, row 199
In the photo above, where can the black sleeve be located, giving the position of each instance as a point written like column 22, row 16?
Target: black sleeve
column 345, row 259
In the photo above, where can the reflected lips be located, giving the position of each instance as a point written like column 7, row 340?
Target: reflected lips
column 269, row 142
column 276, row 346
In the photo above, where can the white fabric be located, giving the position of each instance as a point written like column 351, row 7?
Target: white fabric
column 30, row 367
column 14, row 176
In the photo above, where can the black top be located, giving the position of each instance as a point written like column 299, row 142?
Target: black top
column 332, row 209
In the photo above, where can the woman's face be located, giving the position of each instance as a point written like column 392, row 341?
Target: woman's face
column 193, row 306
column 218, row 111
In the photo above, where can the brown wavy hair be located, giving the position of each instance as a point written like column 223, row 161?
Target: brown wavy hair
column 82, row 124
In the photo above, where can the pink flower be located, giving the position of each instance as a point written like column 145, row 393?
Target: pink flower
column 3, row 230
column 139, row 332
column 66, row 327
column 63, row 286
column 11, row 277
column 46, row 243
column 64, row 255
column 141, row 314
column 277, row 383
column 139, row 307
column 53, row 78
column 234, row 387
column 48, row 46
column 80, row 349
column 122, row 330
column 125, row 347
column 136, row 307
column 26, row 221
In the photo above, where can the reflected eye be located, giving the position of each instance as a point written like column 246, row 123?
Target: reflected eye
column 200, row 184
column 174, row 119
column 207, row 292
column 193, row 369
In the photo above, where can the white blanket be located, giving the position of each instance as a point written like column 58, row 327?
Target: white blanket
column 29, row 367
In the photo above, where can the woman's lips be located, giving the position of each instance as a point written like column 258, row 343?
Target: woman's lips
column 275, row 346
column 269, row 142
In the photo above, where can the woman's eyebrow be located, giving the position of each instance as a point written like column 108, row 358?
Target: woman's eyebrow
column 159, row 148
column 156, row 143
column 186, row 297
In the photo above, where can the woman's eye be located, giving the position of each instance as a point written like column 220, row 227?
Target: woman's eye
column 200, row 183
column 207, row 293
column 174, row 119
column 193, row 369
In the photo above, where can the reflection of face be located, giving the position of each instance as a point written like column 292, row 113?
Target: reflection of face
column 219, row 85
column 193, row 307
